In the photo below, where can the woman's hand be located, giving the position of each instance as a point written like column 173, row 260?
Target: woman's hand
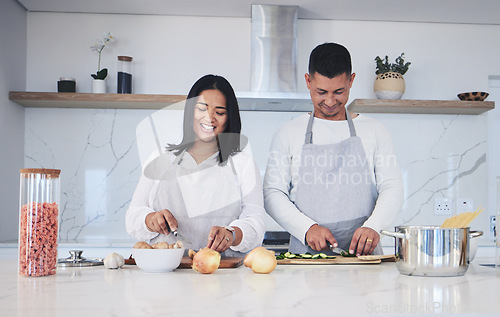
column 160, row 221
column 220, row 239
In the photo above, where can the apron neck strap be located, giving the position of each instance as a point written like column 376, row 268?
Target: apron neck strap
column 352, row 130
column 309, row 133
column 179, row 157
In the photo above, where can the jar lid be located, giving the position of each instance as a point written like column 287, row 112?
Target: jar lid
column 52, row 173
column 125, row 58
column 67, row 78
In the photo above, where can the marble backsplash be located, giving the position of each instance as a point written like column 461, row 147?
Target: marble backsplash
column 97, row 152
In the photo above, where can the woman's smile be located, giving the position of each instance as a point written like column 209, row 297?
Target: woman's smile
column 207, row 127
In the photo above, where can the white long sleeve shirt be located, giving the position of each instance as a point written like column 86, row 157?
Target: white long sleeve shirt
column 282, row 172
column 250, row 221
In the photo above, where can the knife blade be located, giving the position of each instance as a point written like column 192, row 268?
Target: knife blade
column 338, row 250
column 178, row 235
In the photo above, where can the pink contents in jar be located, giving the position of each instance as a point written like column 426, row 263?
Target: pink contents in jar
column 38, row 239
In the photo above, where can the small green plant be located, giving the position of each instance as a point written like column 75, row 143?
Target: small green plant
column 383, row 65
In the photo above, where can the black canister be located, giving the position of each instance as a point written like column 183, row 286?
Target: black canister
column 66, row 84
column 124, row 75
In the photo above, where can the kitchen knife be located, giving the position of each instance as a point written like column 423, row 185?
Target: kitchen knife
column 178, row 235
column 338, row 250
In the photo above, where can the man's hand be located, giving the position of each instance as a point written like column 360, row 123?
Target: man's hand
column 364, row 241
column 157, row 221
column 319, row 238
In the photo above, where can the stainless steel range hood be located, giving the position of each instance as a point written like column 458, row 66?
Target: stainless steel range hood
column 273, row 64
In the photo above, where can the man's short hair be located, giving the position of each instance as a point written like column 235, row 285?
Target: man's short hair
column 330, row 60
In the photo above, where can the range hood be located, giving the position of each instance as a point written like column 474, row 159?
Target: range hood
column 273, row 62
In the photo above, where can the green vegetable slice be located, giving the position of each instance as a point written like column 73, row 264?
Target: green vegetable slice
column 348, row 255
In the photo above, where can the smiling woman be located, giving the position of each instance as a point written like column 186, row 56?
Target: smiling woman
column 204, row 187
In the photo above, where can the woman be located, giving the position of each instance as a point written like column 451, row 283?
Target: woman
column 204, row 187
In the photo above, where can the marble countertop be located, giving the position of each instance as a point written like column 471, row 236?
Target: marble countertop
column 290, row 290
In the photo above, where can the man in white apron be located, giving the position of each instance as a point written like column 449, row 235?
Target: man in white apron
column 332, row 178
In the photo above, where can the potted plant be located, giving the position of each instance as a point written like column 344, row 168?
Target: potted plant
column 390, row 83
column 98, row 84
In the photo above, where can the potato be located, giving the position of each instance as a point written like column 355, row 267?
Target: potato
column 161, row 245
column 142, row 245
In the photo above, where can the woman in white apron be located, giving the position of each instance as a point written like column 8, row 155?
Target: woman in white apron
column 204, row 188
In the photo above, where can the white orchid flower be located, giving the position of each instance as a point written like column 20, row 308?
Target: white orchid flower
column 107, row 38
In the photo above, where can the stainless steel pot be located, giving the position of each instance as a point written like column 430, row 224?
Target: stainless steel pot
column 432, row 250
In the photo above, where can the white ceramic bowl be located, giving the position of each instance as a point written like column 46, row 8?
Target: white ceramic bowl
column 157, row 260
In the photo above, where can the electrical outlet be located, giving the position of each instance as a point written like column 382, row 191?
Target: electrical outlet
column 464, row 205
column 442, row 207
column 493, row 222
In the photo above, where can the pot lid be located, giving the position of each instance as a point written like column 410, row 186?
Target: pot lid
column 76, row 259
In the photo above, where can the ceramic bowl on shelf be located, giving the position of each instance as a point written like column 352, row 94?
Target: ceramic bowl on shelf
column 473, row 96
column 158, row 260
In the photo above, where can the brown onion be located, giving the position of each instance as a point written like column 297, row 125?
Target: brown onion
column 249, row 257
column 261, row 260
column 206, row 261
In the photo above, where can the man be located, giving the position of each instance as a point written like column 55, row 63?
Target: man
column 332, row 178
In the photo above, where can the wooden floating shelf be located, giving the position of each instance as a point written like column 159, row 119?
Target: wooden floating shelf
column 176, row 102
column 420, row 106
column 97, row 101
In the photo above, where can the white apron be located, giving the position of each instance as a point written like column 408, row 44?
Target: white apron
column 199, row 198
column 335, row 188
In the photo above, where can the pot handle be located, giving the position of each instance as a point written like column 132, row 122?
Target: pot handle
column 475, row 234
column 394, row 234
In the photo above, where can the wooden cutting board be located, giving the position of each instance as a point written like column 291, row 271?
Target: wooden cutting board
column 383, row 258
column 225, row 263
column 186, row 262
column 336, row 260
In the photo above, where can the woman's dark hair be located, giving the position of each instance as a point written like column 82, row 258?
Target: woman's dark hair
column 228, row 142
column 330, row 60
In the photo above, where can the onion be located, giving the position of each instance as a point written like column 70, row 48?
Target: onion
column 206, row 261
column 191, row 253
column 249, row 257
column 261, row 260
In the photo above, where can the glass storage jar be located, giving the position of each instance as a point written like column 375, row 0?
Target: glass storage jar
column 38, row 221
column 124, row 75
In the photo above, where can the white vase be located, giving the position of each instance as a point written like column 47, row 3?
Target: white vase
column 98, row 86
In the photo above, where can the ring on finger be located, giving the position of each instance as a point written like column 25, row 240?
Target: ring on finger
column 227, row 239
column 369, row 240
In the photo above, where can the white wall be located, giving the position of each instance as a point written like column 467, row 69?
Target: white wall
column 170, row 51
column 12, row 77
